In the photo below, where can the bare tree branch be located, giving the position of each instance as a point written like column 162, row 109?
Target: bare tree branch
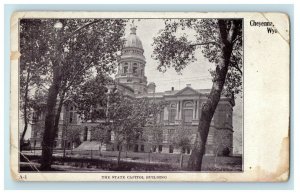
column 235, row 65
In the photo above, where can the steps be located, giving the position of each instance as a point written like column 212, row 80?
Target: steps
column 88, row 145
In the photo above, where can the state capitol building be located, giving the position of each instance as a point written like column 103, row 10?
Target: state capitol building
column 182, row 113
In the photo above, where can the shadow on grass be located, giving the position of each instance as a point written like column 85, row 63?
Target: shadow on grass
column 70, row 164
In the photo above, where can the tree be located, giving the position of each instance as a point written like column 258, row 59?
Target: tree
column 101, row 134
column 32, row 70
column 91, row 97
column 70, row 133
column 182, row 138
column 155, row 135
column 155, row 125
column 72, row 48
column 128, row 117
column 220, row 41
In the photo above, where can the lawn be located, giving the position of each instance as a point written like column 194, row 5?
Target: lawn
column 132, row 161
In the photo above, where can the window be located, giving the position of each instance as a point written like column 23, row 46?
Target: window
column 35, row 134
column 161, row 116
column 188, row 115
column 136, row 148
column 188, row 150
column 160, row 148
column 165, row 137
column 71, row 117
column 125, row 69
column 171, row 133
column 142, row 148
column 134, row 69
column 85, row 134
column 172, row 115
column 154, row 148
column 171, row 149
column 188, row 105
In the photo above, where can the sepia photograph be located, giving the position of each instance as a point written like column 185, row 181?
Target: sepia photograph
column 131, row 94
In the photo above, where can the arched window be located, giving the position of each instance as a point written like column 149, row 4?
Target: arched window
column 172, row 114
column 188, row 112
column 125, row 68
column 188, row 104
column 134, row 69
column 85, row 134
column 72, row 114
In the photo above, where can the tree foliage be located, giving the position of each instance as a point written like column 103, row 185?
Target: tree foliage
column 91, row 97
column 72, row 134
column 182, row 137
column 33, row 71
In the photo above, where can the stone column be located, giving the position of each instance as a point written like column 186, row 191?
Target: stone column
column 194, row 109
column 89, row 134
column 180, row 112
column 177, row 111
column 166, row 115
column 130, row 68
column 197, row 111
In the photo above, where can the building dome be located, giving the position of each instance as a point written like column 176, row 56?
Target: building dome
column 133, row 41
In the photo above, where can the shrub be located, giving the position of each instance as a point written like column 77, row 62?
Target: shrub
column 226, row 151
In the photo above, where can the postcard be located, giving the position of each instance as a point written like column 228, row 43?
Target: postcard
column 150, row 96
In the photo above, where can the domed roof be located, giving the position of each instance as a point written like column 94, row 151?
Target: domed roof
column 133, row 40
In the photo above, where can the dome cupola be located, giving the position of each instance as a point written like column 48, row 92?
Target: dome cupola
column 133, row 41
column 131, row 68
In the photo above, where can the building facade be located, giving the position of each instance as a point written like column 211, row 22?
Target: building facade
column 178, row 122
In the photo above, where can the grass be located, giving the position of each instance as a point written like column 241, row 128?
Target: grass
column 135, row 162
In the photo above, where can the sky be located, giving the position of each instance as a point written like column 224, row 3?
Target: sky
column 195, row 73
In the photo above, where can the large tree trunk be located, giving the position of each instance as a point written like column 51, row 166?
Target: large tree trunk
column 25, row 109
column 209, row 107
column 119, row 156
column 49, row 133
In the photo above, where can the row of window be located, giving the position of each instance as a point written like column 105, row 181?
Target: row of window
column 132, row 51
column 134, row 69
column 135, row 148
column 187, row 113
